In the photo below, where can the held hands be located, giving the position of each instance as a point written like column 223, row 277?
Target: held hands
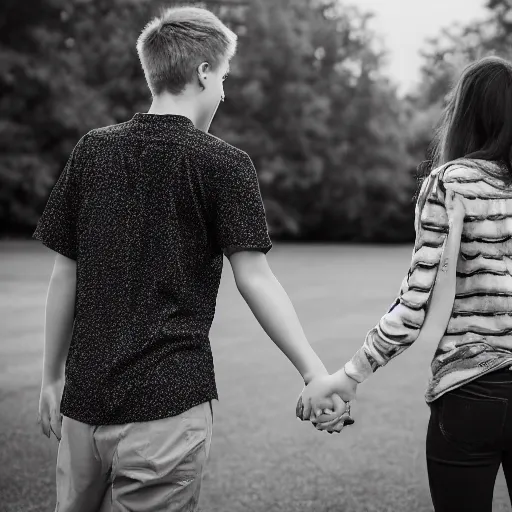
column 330, row 395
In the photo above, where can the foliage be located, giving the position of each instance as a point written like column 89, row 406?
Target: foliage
column 334, row 145
column 444, row 59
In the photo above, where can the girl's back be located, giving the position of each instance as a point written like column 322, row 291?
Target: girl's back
column 478, row 338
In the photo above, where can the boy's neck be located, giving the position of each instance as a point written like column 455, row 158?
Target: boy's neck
column 170, row 105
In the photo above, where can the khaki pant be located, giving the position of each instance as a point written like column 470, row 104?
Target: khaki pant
column 152, row 466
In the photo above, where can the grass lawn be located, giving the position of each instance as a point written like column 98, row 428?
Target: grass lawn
column 262, row 459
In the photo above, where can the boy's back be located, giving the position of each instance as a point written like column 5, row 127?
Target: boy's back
column 140, row 219
column 147, row 208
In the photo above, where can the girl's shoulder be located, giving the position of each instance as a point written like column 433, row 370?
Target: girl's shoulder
column 462, row 169
column 475, row 178
column 470, row 178
column 467, row 170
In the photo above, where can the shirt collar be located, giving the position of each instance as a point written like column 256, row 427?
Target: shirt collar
column 163, row 120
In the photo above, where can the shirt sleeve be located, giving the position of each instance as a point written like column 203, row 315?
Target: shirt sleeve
column 239, row 214
column 399, row 328
column 57, row 226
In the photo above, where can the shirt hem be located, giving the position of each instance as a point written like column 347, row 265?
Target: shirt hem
column 101, row 420
column 232, row 249
column 433, row 396
column 50, row 245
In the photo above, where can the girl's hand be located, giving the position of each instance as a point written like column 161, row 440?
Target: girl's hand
column 334, row 424
column 316, row 396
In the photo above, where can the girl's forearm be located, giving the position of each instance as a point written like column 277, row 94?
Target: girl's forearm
column 59, row 318
column 274, row 311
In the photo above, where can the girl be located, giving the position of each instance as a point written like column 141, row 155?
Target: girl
column 469, row 191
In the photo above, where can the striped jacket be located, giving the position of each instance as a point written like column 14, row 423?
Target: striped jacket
column 478, row 337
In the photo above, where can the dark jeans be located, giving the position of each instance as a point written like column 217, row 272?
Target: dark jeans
column 469, row 436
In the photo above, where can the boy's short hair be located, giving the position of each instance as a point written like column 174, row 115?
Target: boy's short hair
column 174, row 44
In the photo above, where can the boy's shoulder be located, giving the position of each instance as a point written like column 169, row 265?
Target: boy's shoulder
column 205, row 146
column 105, row 131
column 214, row 148
column 90, row 140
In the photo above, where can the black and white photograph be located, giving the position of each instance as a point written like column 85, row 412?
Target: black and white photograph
column 256, row 256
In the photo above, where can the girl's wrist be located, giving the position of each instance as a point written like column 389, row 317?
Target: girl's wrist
column 350, row 376
column 352, row 371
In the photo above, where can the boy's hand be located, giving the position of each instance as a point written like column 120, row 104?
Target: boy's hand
column 49, row 416
column 338, row 388
column 317, row 393
column 329, row 420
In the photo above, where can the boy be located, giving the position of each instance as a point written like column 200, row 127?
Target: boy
column 140, row 218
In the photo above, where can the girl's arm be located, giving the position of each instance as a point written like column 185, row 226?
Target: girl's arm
column 400, row 327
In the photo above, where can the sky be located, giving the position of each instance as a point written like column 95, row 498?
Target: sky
column 406, row 24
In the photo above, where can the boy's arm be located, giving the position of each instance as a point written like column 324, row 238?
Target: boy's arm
column 241, row 233
column 57, row 229
column 274, row 311
column 59, row 318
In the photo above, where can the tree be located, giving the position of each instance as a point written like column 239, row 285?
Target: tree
column 44, row 107
column 308, row 84
column 305, row 99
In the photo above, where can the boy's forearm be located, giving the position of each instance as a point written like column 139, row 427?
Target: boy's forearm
column 60, row 309
column 274, row 311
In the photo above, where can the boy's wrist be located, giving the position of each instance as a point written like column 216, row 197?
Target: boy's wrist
column 53, row 376
column 313, row 373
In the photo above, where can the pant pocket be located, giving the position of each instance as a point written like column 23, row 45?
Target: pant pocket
column 473, row 423
column 195, row 424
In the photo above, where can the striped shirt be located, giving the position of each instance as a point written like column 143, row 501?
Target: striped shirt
column 478, row 337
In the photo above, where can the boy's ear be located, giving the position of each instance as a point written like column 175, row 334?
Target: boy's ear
column 202, row 71
column 203, row 67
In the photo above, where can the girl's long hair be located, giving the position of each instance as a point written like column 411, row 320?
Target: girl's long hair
column 477, row 120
